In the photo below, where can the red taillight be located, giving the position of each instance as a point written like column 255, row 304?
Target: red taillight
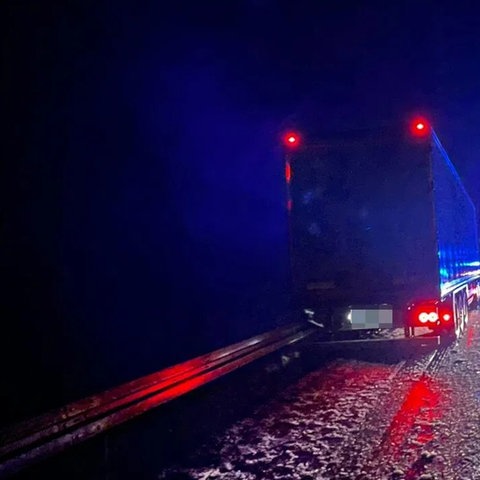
column 446, row 314
column 427, row 317
column 423, row 317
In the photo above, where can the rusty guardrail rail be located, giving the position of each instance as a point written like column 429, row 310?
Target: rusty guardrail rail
column 33, row 440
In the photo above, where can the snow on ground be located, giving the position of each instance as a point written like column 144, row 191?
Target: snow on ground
column 314, row 430
column 444, row 440
column 359, row 420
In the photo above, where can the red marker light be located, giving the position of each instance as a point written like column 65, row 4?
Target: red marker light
column 291, row 139
column 420, row 127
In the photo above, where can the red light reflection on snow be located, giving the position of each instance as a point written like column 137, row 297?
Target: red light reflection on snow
column 414, row 422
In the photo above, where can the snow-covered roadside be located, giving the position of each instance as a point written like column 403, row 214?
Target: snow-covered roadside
column 314, row 430
column 360, row 420
column 444, row 435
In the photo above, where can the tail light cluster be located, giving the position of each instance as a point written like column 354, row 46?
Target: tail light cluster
column 431, row 314
column 432, row 317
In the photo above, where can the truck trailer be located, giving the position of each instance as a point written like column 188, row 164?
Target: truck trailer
column 382, row 231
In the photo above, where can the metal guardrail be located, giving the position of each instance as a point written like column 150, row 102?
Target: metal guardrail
column 33, row 440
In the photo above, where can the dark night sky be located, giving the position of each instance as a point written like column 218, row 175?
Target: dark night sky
column 143, row 202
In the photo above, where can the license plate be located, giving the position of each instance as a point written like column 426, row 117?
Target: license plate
column 370, row 318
